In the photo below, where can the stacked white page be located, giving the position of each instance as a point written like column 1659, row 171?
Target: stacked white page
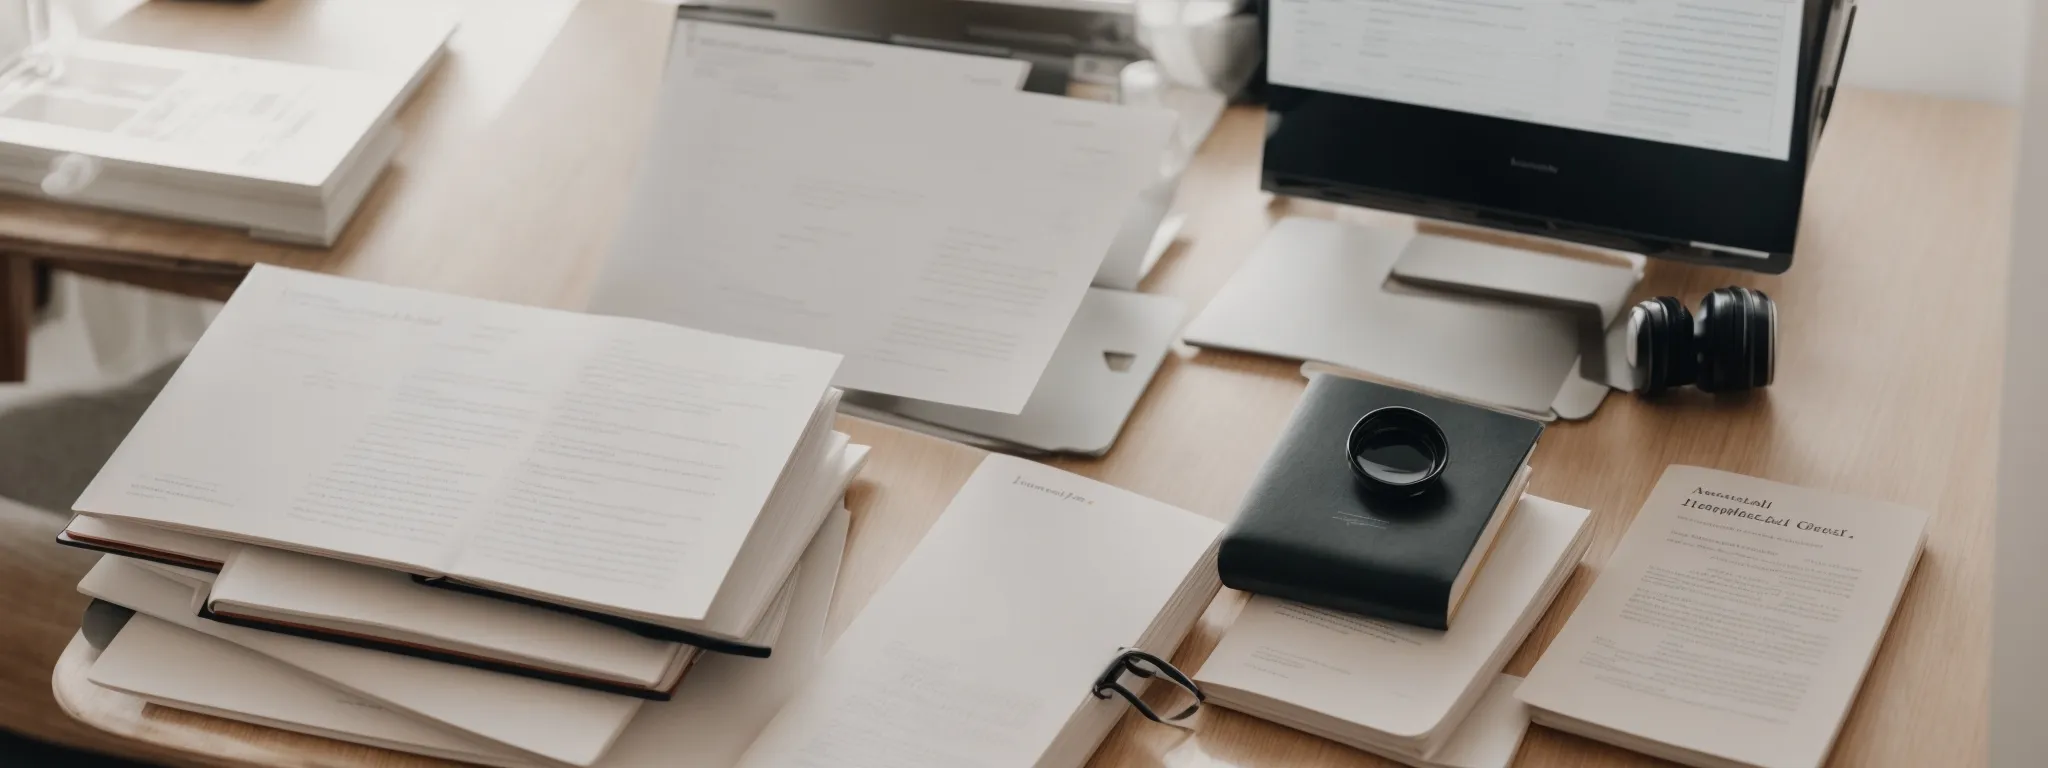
column 710, row 722
column 1733, row 624
column 285, row 150
column 608, row 464
column 939, row 232
column 984, row 646
column 1392, row 689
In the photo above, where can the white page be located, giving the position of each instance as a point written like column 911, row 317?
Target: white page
column 751, row 56
column 608, row 461
column 1736, row 618
column 266, row 120
column 727, row 700
column 558, row 722
column 988, row 638
column 1715, row 74
column 178, row 667
column 1396, row 679
column 941, row 242
column 1491, row 734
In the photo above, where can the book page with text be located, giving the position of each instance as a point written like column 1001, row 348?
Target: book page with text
column 942, row 244
column 1736, row 618
column 398, row 427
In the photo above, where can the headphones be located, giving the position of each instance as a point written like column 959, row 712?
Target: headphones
column 1730, row 346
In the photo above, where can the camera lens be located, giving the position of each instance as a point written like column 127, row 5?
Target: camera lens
column 1397, row 451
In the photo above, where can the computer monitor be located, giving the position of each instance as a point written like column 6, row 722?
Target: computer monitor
column 1674, row 128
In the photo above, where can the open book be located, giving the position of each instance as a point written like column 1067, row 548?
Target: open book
column 1733, row 624
column 614, row 466
column 1392, row 689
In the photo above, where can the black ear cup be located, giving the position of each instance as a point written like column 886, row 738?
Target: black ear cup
column 1663, row 345
column 1732, row 346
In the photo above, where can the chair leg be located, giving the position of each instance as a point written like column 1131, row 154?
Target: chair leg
column 17, row 315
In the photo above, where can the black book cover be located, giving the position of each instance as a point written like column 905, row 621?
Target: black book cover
column 1308, row 532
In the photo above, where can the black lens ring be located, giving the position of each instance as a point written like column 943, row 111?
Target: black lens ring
column 1417, row 429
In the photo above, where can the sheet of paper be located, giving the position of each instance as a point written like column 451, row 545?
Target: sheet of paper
column 1715, row 74
column 1736, row 618
column 1492, row 733
column 752, row 57
column 986, row 641
column 614, row 462
column 266, row 120
column 171, row 665
column 1401, row 680
column 941, row 242
column 558, row 722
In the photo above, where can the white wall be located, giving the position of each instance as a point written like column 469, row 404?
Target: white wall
column 1972, row 49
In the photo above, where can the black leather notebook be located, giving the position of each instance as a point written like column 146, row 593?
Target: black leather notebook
column 1308, row 532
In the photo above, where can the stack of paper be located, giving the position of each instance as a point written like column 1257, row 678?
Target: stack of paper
column 287, row 151
column 1422, row 697
column 569, row 509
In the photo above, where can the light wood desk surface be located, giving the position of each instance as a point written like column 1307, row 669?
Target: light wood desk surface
column 1887, row 384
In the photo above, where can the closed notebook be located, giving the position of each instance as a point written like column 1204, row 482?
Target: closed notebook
column 1308, row 532
column 1395, row 690
column 376, row 608
column 990, row 644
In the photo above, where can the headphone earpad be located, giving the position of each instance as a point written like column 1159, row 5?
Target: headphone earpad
column 1663, row 345
column 1763, row 337
column 1724, row 342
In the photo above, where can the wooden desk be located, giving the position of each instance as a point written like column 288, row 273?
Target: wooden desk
column 1887, row 386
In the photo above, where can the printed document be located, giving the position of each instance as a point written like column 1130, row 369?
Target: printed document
column 1713, row 74
column 941, row 238
column 1733, row 624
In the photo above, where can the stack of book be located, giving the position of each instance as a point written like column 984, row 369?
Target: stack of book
column 1385, row 624
column 518, row 523
column 287, row 151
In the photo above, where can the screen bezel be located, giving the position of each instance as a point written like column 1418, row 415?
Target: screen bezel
column 1457, row 166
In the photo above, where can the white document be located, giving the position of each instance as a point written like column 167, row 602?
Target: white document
column 983, row 647
column 1391, row 684
column 1733, row 624
column 264, row 120
column 1714, row 74
column 170, row 665
column 715, row 715
column 597, row 461
column 753, row 57
column 939, row 238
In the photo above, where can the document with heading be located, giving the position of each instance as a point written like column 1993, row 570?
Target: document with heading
column 1713, row 74
column 611, row 463
column 757, row 58
column 1733, row 624
column 940, row 239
